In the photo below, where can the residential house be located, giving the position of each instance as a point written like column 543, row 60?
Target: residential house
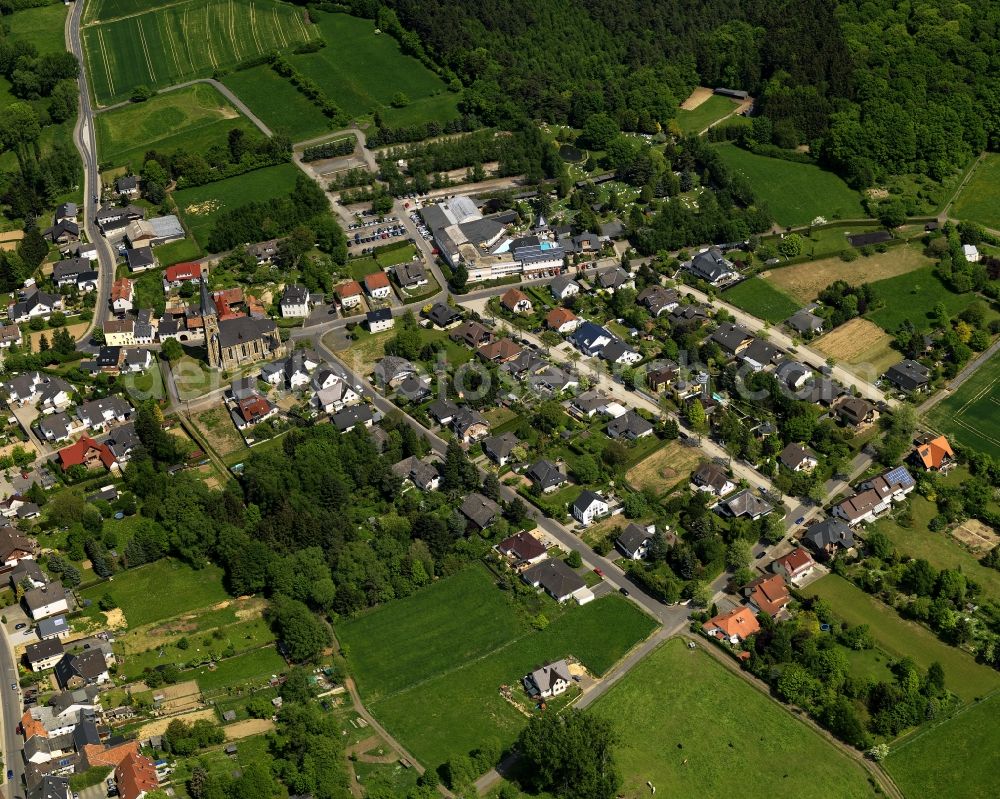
column 31, row 388
column 760, row 355
column 548, row 681
column 294, row 301
column 335, row 397
column 49, row 600
column 419, row 472
column 971, row 253
column 471, row 334
column 86, row 668
column 564, row 287
column 137, row 360
column 349, row 418
column 933, row 454
column 99, row 413
column 747, row 504
column 610, row 280
column 857, row 412
column 177, row 275
column 53, row 627
column 119, row 332
column 109, row 360
column 588, row 403
column 392, row 370
column 658, row 300
column 862, row 507
column 9, row 335
column 711, row 265
column 25, row 576
column 43, row 655
column 688, row 317
column 379, row 320
column 51, row 787
column 659, row 375
column 469, row 425
column 16, row 548
column 377, row 286
column 892, row 485
column 66, row 211
column 252, row 410
column 443, row 315
column 909, row 376
column 557, row 580
column 591, row 338
column 711, row 477
column 264, row 252
column 500, row 449
column 127, row 186
column 828, row 537
column 442, row 411
column 415, row 388
column 589, row 506
column 140, row 259
column 410, row 275
column 136, row 776
column 122, row 295
column 562, row 320
column 732, row 338
column 65, row 273
column 798, row 458
column 32, row 304
column 349, row 294
column 634, row 540
column 630, row 426
column 793, row 375
column 57, row 427
column 805, row 323
column 121, row 441
column 63, row 232
column 735, row 626
column 768, row 594
column 523, row 549
column 796, row 567
column 516, row 301
column 480, row 510
column 501, row 350
column 618, row 352
column 555, row 380
column 546, row 475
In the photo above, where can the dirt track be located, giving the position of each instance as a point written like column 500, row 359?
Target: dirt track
column 697, row 97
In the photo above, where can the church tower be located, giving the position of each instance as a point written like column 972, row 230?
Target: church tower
column 210, row 320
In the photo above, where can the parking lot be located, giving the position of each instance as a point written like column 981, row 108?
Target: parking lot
column 370, row 229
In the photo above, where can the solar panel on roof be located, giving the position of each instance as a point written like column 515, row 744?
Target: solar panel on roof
column 898, row 475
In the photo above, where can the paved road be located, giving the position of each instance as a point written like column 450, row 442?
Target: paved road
column 83, row 138
column 12, row 709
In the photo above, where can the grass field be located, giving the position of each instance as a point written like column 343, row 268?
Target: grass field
column 178, row 251
column 193, row 119
column 795, row 193
column 713, row 109
column 361, row 70
column 759, row 298
column 805, row 281
column 278, row 104
column 862, row 344
column 430, row 666
column 971, row 416
column 959, row 758
column 42, row 27
column 692, row 728
column 912, row 297
column 257, row 666
column 161, row 590
column 200, row 206
column 662, row 470
column 439, row 107
column 396, row 255
column 193, row 38
column 979, row 201
column 966, row 678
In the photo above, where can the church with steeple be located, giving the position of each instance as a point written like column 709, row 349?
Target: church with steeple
column 236, row 341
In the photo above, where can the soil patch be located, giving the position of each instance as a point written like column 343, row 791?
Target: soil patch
column 696, row 98
column 116, row 619
column 851, row 339
column 977, row 537
column 248, row 727
column 159, row 726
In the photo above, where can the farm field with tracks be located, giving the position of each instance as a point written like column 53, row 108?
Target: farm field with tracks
column 971, row 416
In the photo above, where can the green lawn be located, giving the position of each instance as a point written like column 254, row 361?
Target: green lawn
column 714, row 108
column 979, row 201
column 361, row 71
column 193, row 119
column 959, row 758
column 252, row 667
column 795, row 193
column 390, row 256
column 759, row 298
column 43, row 27
column 969, row 416
column 173, row 42
column 692, row 728
column 439, row 108
column 278, row 104
column 457, row 710
column 912, row 296
column 161, row 590
column 200, row 206
column 179, row 251
column 359, row 267
column 966, row 678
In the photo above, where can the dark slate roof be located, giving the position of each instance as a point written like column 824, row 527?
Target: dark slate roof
column 294, row 294
column 379, row 315
column 586, row 499
column 730, row 336
column 805, row 322
column 480, row 510
column 864, row 239
column 243, row 329
column 546, row 474
column 348, row 417
column 630, row 425
column 829, row 531
column 502, row 445
column 710, row 264
column 555, row 577
column 908, row 374
column 443, row 314
column 761, row 352
column 50, row 647
column 633, row 537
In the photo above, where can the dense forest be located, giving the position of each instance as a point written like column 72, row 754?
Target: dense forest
column 875, row 88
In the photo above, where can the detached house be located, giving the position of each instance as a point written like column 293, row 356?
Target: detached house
column 550, row 680
column 933, row 454
column 768, row 594
column 589, row 506
column 908, row 375
column 516, row 301
column 49, row 600
column 349, row 294
column 732, row 338
column 805, row 323
column 480, row 510
column 499, row 449
column 857, row 412
column 377, row 285
column 795, row 567
column 294, row 301
column 658, row 300
column 33, row 304
column 562, row 320
column 87, row 668
column 177, row 275
column 564, row 287
column 711, row 266
column 469, row 425
column 422, row 474
column 471, row 334
column 747, row 504
column 590, row 338
column 546, row 475
column 735, row 626
column 630, row 426
column 557, row 580
column 712, row 478
column 798, row 458
column 44, row 655
column 522, row 548
column 634, row 540
column 828, row 537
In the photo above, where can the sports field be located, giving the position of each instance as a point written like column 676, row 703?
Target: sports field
column 162, row 46
column 971, row 416
column 794, row 193
column 193, row 119
column 707, row 112
column 966, row 678
column 201, row 205
column 979, row 200
column 278, row 104
column 692, row 728
column 959, row 758
column 430, row 666
column 912, row 297
column 759, row 298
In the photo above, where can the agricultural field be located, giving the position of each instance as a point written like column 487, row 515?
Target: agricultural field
column 161, row 590
column 665, row 468
column 175, row 42
column 361, row 70
column 912, row 297
column 692, row 728
column 971, row 416
column 979, row 200
column 439, row 107
column 795, row 193
column 42, row 27
column 963, row 676
column 193, row 119
column 200, row 206
column 861, row 344
column 442, row 698
column 256, row 666
column 759, row 298
column 711, row 110
column 277, row 103
column 805, row 281
column 217, row 426
column 958, row 758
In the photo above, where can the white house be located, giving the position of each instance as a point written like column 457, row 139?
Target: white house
column 122, row 295
column 377, row 285
column 379, row 320
column 564, row 287
column 335, row 397
column 550, row 680
column 971, row 253
column 589, row 506
column 49, row 600
column 295, row 301
column 795, row 567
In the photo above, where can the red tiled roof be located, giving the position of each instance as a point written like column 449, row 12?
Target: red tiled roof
column 376, row 280
column 31, row 726
column 739, row 622
column 254, row 408
column 98, row 755
column 933, row 453
column 557, row 317
column 349, row 289
column 135, row 775
column 185, row 271
column 770, row 594
column 795, row 561
column 121, row 289
column 512, row 297
column 77, row 454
